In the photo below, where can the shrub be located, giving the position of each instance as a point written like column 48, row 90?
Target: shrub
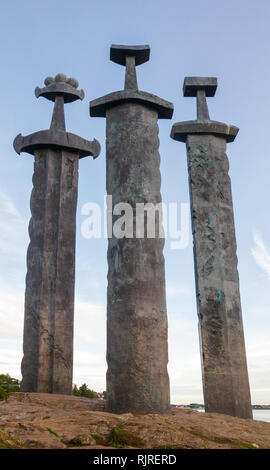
column 3, row 394
column 83, row 391
column 8, row 385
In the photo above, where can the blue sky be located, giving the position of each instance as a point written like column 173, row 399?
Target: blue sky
column 227, row 39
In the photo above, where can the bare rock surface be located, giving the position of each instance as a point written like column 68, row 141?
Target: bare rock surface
column 46, row 421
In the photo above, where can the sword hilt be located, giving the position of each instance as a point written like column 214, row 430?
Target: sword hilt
column 60, row 89
column 130, row 56
column 201, row 87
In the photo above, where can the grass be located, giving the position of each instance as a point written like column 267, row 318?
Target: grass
column 97, row 437
column 7, row 441
column 122, row 438
column 223, row 440
column 75, row 441
column 245, row 445
column 52, row 431
column 167, row 421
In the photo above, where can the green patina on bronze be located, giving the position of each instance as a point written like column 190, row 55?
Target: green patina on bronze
column 224, row 367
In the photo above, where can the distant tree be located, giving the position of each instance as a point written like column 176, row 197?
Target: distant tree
column 8, row 385
column 75, row 391
column 105, row 395
column 6, row 378
column 13, row 388
column 86, row 392
column 3, row 394
column 83, row 391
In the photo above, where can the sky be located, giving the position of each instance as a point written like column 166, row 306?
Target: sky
column 224, row 39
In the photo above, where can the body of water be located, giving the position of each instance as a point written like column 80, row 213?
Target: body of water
column 258, row 415
column 261, row 415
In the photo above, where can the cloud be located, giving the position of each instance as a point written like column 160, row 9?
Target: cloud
column 258, row 358
column 90, row 348
column 90, row 322
column 90, row 344
column 90, row 368
column 184, row 365
column 10, row 362
column 7, row 205
column 11, row 312
column 177, row 291
column 89, row 335
column 13, row 228
column 261, row 254
column 11, row 329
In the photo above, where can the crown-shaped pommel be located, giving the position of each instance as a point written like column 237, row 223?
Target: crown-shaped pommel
column 60, row 85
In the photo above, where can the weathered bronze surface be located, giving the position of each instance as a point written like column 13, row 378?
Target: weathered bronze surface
column 49, row 297
column 223, row 355
column 137, row 350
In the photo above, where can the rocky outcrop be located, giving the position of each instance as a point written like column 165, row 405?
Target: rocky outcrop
column 46, row 421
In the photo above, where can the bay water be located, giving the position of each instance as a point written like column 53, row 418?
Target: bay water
column 261, row 415
column 258, row 415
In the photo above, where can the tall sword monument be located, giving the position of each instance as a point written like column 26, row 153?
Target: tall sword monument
column 223, row 356
column 49, row 296
column 137, row 350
